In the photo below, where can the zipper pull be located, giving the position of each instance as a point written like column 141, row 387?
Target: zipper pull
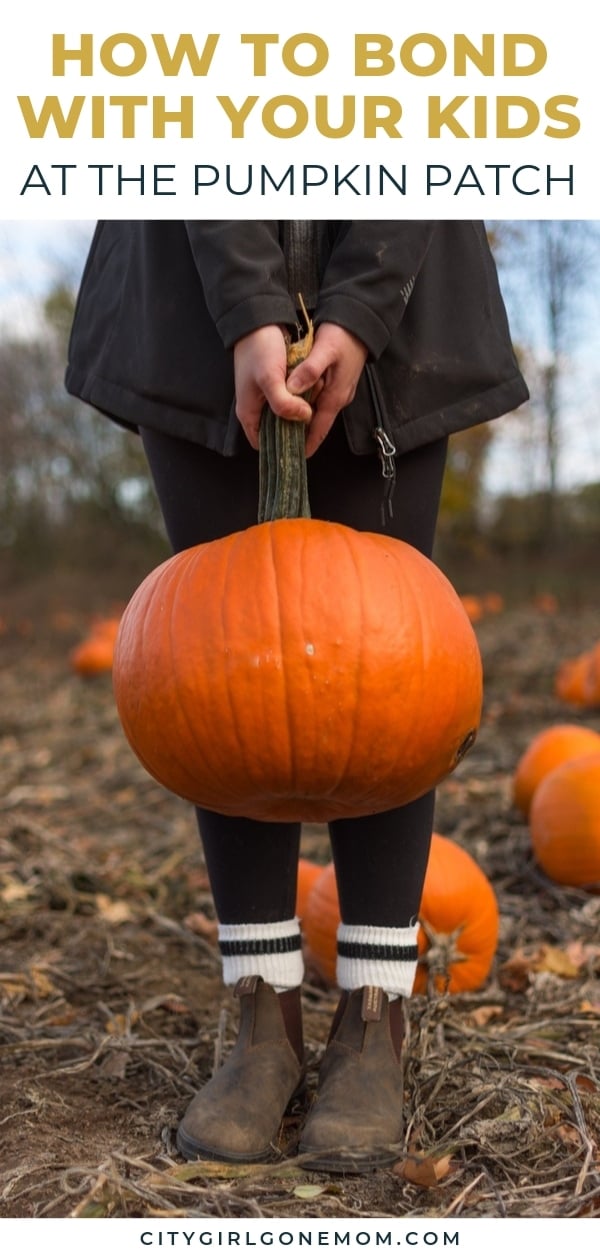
column 386, row 452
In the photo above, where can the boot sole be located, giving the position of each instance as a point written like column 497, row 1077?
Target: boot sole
column 190, row 1149
column 336, row 1162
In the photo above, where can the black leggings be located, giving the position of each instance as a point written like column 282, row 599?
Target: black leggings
column 380, row 860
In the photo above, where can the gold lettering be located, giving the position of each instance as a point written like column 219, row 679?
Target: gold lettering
column 51, row 111
column 383, row 113
column 443, row 116
column 345, row 127
column 506, row 129
column 138, row 50
column 61, row 54
column 556, row 114
column 259, row 43
column 482, row 57
column 288, row 54
column 237, row 117
column 161, row 116
column 292, row 129
column 512, row 43
column 171, row 62
column 438, row 49
column 373, row 54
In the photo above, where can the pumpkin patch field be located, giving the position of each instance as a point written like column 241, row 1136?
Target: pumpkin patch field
column 112, row 1010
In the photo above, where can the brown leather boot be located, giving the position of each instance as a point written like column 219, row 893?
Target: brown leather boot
column 237, row 1115
column 355, row 1123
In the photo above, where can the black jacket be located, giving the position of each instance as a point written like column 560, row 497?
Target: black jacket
column 161, row 305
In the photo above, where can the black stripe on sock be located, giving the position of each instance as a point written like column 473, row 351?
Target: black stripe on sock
column 281, row 945
column 379, row 953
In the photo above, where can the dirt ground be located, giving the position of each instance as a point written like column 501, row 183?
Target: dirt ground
column 112, row 1010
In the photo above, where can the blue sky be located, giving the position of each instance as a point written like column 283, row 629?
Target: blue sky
column 34, row 254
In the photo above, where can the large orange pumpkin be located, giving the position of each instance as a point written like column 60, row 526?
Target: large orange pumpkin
column 298, row 669
column 565, row 822
column 550, row 748
column 458, row 917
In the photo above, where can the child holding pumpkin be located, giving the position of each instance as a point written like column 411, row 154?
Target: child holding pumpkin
column 180, row 332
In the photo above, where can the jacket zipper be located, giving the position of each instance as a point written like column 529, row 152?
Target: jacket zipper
column 386, row 449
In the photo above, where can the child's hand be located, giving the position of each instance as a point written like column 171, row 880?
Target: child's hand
column 333, row 368
column 260, row 369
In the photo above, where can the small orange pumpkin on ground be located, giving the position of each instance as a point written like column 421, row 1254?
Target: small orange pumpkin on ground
column 473, row 607
column 320, row 923
column 571, row 678
column 96, row 653
column 591, row 680
column 565, row 822
column 550, row 748
column 459, row 922
column 308, row 873
column 545, row 602
column 493, row 602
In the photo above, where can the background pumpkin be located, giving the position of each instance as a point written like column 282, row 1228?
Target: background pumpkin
column 95, row 654
column 459, row 915
column 565, row 822
column 550, row 748
column 591, row 681
column 308, row 874
column 570, row 680
column 298, row 670
column 459, row 921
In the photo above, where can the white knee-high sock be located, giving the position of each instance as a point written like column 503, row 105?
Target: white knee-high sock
column 270, row 950
column 381, row 956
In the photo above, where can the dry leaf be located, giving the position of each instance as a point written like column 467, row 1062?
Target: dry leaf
column 62, row 1018
column 120, row 1025
column 200, row 923
column 36, row 794
column 308, row 1192
column 14, row 890
column 580, row 953
column 555, row 960
column 168, row 1002
column 586, row 1084
column 546, row 1082
column 569, row 1134
column 589, row 1008
column 14, row 988
column 424, row 1171
column 113, row 912
column 43, row 986
column 483, row 1014
column 552, row 1115
column 115, row 1065
column 515, row 973
column 203, row 1169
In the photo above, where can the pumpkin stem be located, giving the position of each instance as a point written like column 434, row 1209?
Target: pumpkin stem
column 283, row 485
column 440, row 954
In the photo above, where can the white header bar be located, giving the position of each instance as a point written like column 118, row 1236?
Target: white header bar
column 353, row 110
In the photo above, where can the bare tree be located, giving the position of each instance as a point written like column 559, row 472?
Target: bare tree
column 549, row 270
column 66, row 471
